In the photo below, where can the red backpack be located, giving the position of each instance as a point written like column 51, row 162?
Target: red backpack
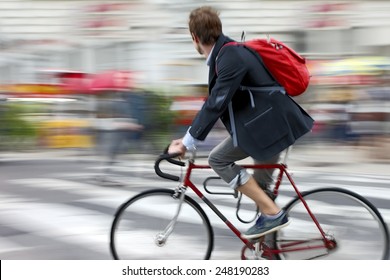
column 286, row 66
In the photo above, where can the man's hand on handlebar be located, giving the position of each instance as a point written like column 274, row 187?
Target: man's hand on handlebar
column 170, row 158
column 177, row 147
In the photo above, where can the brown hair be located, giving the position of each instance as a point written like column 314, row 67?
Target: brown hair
column 205, row 23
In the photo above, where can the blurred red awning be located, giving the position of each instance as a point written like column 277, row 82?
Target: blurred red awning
column 111, row 80
column 71, row 75
column 73, row 82
column 77, row 85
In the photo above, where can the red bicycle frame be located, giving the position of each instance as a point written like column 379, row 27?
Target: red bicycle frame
column 282, row 171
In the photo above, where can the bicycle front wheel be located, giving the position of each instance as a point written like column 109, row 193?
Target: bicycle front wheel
column 351, row 221
column 142, row 228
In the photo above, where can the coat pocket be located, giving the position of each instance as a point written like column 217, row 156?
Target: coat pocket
column 266, row 127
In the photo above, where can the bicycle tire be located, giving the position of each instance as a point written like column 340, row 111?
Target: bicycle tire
column 138, row 221
column 354, row 222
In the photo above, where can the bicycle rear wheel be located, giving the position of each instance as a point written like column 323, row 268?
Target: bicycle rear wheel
column 355, row 225
column 140, row 222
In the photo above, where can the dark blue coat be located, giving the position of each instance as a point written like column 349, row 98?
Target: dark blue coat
column 265, row 126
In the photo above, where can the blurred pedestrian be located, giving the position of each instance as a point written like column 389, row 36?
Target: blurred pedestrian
column 117, row 129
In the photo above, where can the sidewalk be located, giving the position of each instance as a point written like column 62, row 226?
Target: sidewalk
column 338, row 158
column 314, row 157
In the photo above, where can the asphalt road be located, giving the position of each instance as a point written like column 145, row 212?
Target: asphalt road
column 62, row 208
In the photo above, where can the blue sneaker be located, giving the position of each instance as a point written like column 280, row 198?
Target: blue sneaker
column 265, row 225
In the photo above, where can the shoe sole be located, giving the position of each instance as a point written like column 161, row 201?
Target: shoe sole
column 253, row 236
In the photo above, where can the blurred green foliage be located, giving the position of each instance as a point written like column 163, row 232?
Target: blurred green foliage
column 15, row 131
column 160, row 120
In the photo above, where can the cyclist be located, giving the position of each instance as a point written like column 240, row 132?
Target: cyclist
column 277, row 125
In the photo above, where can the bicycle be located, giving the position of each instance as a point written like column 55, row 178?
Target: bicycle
column 169, row 224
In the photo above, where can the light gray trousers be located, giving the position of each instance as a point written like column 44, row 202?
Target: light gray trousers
column 223, row 160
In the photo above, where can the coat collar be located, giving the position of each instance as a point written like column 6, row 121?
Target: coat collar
column 222, row 40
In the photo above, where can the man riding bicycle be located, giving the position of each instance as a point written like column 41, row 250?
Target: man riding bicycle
column 277, row 124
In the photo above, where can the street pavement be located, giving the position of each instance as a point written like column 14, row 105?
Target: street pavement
column 53, row 207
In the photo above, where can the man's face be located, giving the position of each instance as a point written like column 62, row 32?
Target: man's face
column 196, row 43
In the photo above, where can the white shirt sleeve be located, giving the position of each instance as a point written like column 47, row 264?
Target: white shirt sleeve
column 189, row 142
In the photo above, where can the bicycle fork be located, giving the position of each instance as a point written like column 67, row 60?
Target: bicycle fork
column 161, row 237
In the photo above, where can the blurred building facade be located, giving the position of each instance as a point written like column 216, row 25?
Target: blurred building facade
column 151, row 36
column 346, row 44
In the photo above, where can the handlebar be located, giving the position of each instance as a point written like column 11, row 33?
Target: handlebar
column 170, row 159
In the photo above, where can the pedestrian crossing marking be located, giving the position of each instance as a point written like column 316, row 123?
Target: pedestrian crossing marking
column 86, row 228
